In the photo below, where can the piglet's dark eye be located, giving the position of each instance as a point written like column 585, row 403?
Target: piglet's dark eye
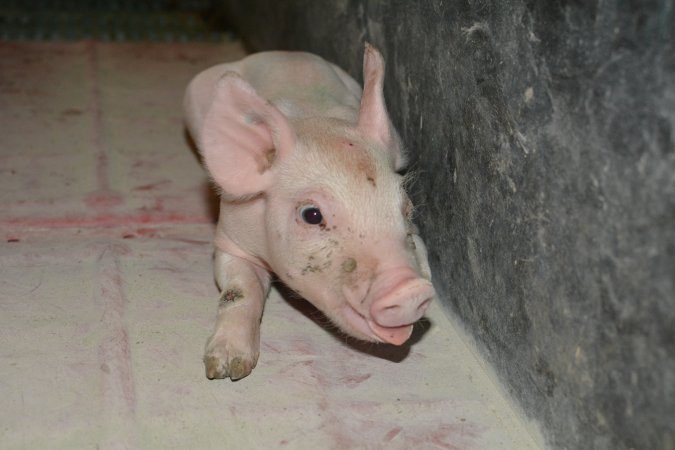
column 311, row 215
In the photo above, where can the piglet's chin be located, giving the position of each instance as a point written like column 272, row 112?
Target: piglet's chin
column 392, row 335
column 370, row 331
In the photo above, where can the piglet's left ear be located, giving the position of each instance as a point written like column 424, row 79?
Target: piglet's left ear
column 242, row 138
column 373, row 118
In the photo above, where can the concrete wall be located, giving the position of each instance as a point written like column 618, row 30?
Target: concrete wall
column 543, row 136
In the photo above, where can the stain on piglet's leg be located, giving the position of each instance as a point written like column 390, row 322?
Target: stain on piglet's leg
column 230, row 295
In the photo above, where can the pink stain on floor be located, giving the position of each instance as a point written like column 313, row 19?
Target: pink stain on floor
column 96, row 108
column 103, row 220
column 115, row 353
column 103, row 200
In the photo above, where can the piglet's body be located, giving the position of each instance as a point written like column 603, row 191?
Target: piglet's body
column 306, row 163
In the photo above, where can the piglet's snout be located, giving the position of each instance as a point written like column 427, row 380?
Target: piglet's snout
column 404, row 305
column 400, row 300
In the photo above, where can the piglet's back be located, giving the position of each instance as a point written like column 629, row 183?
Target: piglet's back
column 299, row 84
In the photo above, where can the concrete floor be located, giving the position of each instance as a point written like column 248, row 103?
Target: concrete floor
column 107, row 296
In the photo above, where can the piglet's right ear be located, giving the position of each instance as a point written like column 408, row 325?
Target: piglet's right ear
column 242, row 137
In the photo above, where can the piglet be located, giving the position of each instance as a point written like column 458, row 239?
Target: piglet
column 306, row 164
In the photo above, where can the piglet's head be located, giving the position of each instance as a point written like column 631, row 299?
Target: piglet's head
column 332, row 218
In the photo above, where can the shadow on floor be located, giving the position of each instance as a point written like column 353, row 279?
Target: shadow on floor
column 389, row 352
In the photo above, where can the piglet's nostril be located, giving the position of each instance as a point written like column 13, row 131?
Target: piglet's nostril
column 403, row 305
column 391, row 311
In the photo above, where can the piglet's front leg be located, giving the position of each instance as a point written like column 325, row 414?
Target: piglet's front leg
column 233, row 348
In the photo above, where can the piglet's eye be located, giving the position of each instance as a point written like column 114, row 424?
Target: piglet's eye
column 311, row 215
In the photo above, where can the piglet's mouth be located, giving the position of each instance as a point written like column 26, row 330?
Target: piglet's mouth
column 375, row 332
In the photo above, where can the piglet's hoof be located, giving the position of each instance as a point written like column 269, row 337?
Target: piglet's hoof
column 234, row 369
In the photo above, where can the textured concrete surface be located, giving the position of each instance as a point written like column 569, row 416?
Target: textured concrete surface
column 107, row 296
column 543, row 135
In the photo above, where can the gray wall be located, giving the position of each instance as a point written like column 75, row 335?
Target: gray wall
column 543, row 136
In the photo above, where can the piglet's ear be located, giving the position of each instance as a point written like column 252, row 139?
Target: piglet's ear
column 242, row 137
column 373, row 118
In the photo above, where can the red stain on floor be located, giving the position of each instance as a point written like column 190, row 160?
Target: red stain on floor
column 455, row 436
column 103, row 200
column 151, row 186
column 104, row 220
column 93, row 72
column 391, row 434
column 353, row 381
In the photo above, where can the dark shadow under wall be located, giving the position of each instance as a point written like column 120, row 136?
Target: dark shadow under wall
column 543, row 133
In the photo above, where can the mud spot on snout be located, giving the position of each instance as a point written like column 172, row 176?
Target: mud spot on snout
column 349, row 265
column 316, row 268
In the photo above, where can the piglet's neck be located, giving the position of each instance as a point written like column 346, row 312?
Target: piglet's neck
column 233, row 217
